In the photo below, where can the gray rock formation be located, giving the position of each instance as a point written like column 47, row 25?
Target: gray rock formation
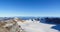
column 10, row 26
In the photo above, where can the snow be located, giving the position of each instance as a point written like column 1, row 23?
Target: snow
column 33, row 26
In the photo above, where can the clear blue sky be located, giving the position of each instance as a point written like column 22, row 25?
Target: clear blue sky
column 30, row 8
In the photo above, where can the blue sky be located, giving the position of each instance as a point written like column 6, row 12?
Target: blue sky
column 42, row 8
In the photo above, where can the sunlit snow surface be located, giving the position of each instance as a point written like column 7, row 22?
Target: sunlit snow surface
column 33, row 26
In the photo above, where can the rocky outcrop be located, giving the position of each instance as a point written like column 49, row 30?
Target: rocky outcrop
column 10, row 26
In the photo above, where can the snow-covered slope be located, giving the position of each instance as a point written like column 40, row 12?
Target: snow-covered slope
column 33, row 26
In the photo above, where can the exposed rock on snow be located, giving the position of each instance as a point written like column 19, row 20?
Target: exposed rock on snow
column 10, row 26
